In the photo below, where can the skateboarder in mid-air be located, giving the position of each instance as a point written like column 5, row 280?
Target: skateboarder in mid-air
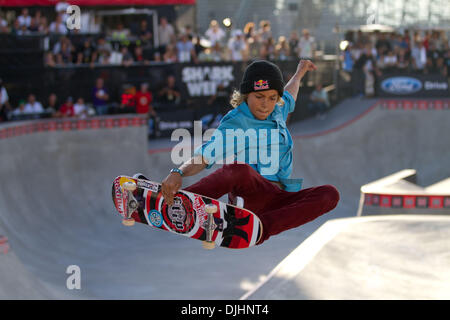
column 262, row 103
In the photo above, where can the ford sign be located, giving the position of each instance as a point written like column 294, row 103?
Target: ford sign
column 401, row 85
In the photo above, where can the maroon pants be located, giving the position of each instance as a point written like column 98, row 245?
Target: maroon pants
column 277, row 209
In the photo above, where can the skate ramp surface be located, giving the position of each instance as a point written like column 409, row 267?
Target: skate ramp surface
column 56, row 207
column 384, row 257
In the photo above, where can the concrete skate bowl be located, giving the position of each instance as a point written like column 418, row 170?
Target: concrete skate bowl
column 56, row 208
column 381, row 257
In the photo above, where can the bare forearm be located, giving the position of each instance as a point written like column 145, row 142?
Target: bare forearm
column 294, row 84
column 193, row 166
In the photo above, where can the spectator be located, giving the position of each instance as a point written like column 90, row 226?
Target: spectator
column 127, row 57
column 306, row 50
column 169, row 95
column 237, row 46
column 306, row 46
column 265, row 30
column 347, row 64
column 185, row 49
column 362, row 71
column 34, row 25
column 63, row 51
column 390, row 62
column 52, row 105
column 205, row 55
column 49, row 59
column 249, row 30
column 24, row 19
column 171, row 54
column 188, row 31
column 140, row 55
column 198, row 47
column 43, row 25
column 144, row 100
column 144, row 34
column 217, row 53
column 419, row 56
column 18, row 112
column 3, row 25
column 33, row 106
column 214, row 33
column 86, row 52
column 269, row 49
column 15, row 29
column 293, row 44
column 100, row 97
column 166, row 34
column 120, row 34
column 5, row 107
column 282, row 50
column 61, row 9
column 447, row 58
column 319, row 101
column 403, row 60
column 80, row 109
column 67, row 109
column 434, row 53
column 254, row 45
column 58, row 26
column 103, row 47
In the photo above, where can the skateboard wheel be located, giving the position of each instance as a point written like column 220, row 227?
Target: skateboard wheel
column 209, row 245
column 130, row 186
column 211, row 208
column 128, row 222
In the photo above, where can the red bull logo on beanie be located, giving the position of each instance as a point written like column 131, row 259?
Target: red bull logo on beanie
column 261, row 85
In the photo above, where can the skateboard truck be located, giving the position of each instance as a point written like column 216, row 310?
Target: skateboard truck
column 209, row 226
column 131, row 204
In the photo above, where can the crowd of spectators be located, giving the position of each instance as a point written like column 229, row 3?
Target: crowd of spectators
column 215, row 45
column 123, row 45
column 367, row 57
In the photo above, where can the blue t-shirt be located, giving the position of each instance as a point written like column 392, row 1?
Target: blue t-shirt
column 266, row 145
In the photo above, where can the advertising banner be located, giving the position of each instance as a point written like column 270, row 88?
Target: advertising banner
column 415, row 85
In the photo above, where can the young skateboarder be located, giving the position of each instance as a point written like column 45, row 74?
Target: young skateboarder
column 261, row 107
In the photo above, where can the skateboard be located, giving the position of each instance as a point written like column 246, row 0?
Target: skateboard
column 191, row 215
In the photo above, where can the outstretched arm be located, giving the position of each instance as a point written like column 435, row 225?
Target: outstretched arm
column 294, row 83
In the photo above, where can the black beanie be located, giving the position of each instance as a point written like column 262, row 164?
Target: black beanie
column 262, row 75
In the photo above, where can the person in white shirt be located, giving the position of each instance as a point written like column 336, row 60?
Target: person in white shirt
column 214, row 32
column 419, row 56
column 4, row 102
column 80, row 109
column 20, row 110
column 166, row 34
column 24, row 19
column 33, row 106
column 390, row 61
column 306, row 45
column 237, row 46
column 58, row 26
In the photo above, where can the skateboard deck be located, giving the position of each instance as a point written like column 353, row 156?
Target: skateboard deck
column 191, row 215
